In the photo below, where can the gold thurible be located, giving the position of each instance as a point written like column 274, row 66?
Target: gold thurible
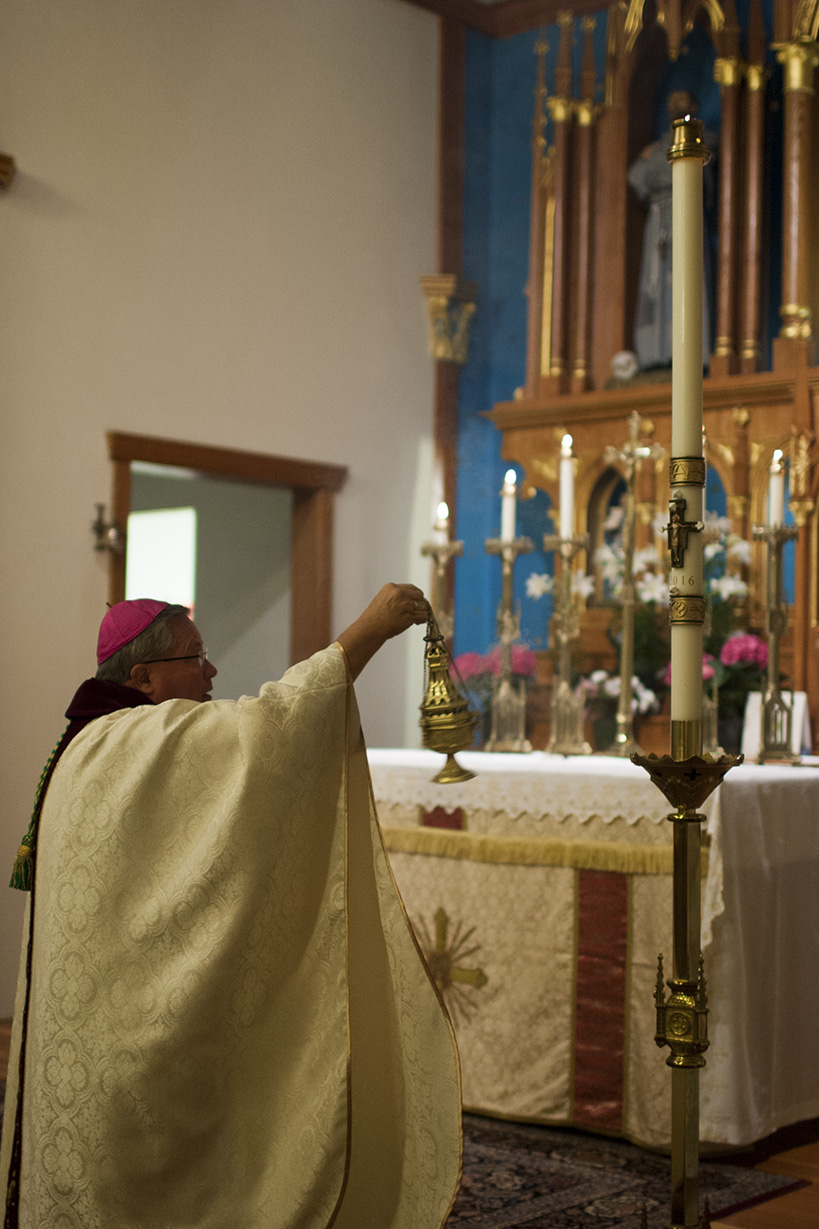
column 447, row 722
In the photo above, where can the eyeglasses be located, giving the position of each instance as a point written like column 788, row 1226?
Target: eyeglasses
column 201, row 657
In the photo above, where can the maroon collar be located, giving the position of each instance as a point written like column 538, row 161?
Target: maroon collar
column 98, row 697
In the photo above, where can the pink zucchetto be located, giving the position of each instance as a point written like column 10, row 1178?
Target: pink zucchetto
column 123, row 622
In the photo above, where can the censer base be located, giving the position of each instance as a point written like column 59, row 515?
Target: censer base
column 452, row 772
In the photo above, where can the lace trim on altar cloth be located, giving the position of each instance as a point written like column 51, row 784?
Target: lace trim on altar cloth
column 521, row 793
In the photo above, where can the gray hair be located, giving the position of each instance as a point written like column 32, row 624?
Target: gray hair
column 154, row 642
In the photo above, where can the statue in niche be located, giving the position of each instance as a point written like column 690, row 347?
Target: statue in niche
column 650, row 178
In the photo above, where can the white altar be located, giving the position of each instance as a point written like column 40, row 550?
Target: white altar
column 541, row 894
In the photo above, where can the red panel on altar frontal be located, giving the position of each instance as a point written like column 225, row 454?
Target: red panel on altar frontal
column 600, row 998
column 439, row 818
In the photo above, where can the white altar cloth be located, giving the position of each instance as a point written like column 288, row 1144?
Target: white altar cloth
column 503, row 901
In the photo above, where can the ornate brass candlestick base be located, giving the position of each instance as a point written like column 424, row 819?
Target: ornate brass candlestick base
column 447, row 722
column 776, row 741
column 682, row 1018
column 627, row 458
column 508, row 701
column 566, row 735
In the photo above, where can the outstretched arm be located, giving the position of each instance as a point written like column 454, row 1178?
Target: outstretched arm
column 393, row 609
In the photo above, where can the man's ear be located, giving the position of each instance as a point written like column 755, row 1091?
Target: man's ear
column 140, row 677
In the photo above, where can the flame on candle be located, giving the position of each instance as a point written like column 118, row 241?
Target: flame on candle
column 443, row 511
column 510, row 478
column 777, row 458
column 566, row 445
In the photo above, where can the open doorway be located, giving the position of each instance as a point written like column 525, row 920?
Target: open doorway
column 279, row 508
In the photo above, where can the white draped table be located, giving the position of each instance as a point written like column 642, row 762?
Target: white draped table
column 541, row 894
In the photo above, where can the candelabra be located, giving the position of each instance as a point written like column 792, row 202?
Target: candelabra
column 508, row 701
column 441, row 553
column 776, row 744
column 627, row 458
column 566, row 735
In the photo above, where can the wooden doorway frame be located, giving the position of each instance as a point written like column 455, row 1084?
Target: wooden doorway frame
column 311, row 548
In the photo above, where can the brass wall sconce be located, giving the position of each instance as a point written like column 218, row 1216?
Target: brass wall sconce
column 107, row 534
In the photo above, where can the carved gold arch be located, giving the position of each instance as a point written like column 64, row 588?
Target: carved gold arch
column 677, row 18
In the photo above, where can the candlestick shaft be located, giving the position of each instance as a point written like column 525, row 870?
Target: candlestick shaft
column 687, row 477
column 686, row 306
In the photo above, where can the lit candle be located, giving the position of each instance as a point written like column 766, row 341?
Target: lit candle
column 686, row 410
column 508, row 501
column 566, row 488
column 776, row 490
column 440, row 530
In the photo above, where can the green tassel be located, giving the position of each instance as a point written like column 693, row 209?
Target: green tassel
column 23, row 872
column 22, row 876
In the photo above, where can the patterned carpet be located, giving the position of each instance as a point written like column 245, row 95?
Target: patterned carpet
column 544, row 1178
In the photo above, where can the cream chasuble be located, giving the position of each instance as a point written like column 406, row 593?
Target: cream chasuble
column 230, row 1024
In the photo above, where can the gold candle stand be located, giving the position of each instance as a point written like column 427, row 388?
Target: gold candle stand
column 627, row 459
column 441, row 553
column 566, row 734
column 682, row 1018
column 508, row 702
column 686, row 777
column 776, row 742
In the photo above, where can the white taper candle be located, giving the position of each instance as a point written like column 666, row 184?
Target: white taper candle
column 566, row 488
column 440, row 530
column 776, row 490
column 686, row 411
column 508, row 506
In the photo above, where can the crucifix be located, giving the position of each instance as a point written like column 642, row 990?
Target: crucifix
column 627, row 459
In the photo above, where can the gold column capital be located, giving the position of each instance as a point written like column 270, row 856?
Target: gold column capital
column 727, row 70
column 799, row 60
column 796, row 321
column 451, row 306
column 586, row 112
column 560, row 109
column 755, row 77
column 801, row 510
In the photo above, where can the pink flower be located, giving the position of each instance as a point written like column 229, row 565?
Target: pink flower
column 744, row 647
column 523, row 660
column 471, row 664
column 493, row 662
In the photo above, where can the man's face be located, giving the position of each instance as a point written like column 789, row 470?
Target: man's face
column 183, row 678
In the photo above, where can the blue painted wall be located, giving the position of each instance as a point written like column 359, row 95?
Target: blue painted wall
column 500, row 83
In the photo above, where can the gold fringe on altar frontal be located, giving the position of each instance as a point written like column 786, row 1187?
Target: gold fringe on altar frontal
column 617, row 856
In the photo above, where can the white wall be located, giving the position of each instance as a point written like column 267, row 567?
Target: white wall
column 221, row 214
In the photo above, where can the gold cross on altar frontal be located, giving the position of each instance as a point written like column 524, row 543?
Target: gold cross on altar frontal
column 444, row 960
